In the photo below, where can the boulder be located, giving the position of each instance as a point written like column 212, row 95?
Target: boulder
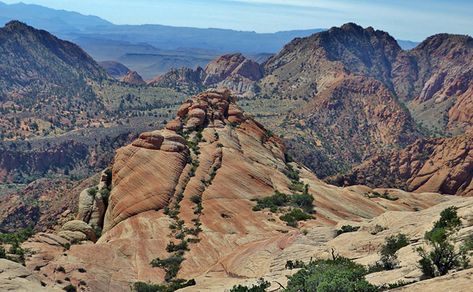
column 77, row 230
column 174, row 125
column 149, row 140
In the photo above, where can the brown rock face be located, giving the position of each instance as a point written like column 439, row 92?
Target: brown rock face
column 433, row 165
column 133, row 78
column 437, row 73
column 233, row 71
column 227, row 162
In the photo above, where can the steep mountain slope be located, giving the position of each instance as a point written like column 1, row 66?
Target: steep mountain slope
column 346, row 123
column 307, row 66
column 186, row 195
column 133, row 78
column 333, row 75
column 341, row 80
column 436, row 77
column 48, row 75
column 443, row 165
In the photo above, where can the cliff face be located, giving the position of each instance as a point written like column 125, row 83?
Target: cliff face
column 188, row 192
column 443, row 165
column 436, row 77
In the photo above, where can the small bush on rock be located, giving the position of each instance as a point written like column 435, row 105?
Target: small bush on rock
column 261, row 286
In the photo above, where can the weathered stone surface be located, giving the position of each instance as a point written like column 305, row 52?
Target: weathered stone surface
column 174, row 125
column 236, row 164
column 91, row 207
column 15, row 277
column 77, row 230
column 443, row 165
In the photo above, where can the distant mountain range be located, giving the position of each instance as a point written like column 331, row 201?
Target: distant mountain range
column 151, row 49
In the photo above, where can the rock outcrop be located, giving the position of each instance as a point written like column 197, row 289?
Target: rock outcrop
column 196, row 181
column 15, row 277
column 133, row 78
column 443, row 165
column 233, row 71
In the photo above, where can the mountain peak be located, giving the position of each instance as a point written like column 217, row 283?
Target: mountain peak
column 445, row 39
column 133, row 78
column 213, row 108
column 351, row 26
column 16, row 24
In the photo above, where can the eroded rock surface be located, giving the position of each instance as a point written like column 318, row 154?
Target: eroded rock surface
column 227, row 160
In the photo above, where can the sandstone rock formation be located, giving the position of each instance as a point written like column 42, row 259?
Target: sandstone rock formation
column 133, row 78
column 233, row 71
column 93, row 201
column 77, row 231
column 204, row 177
column 15, row 277
column 443, row 165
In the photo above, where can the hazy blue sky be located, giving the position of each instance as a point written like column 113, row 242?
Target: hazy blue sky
column 405, row 19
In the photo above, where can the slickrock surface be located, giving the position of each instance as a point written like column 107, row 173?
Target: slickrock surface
column 238, row 161
column 15, row 277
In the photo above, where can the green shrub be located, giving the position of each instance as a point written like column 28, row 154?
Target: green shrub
column 261, row 286
column 170, row 265
column 388, row 251
column 273, row 202
column 105, row 193
column 198, row 209
column 170, row 287
column 304, row 201
column 292, row 173
column 347, row 228
column 395, row 285
column 340, row 274
column 297, row 186
column 3, row 253
column 92, row 191
column 182, row 246
column 17, row 237
column 443, row 255
column 70, row 288
column 448, row 219
column 294, row 216
column 297, row 264
column 468, row 243
column 384, row 195
column 196, row 199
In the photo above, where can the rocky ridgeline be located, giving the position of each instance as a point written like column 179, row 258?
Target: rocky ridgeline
column 182, row 203
column 233, row 71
